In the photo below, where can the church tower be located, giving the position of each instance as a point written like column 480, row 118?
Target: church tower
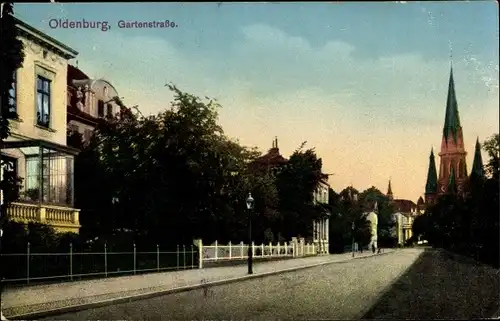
column 431, row 187
column 453, row 167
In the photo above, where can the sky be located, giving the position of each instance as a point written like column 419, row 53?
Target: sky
column 365, row 84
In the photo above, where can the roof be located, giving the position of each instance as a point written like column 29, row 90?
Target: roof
column 420, row 201
column 404, row 206
column 74, row 73
column 47, row 41
column 477, row 165
column 452, row 119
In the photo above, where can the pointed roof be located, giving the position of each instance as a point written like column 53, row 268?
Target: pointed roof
column 452, row 186
column 477, row 165
column 431, row 185
column 452, row 119
column 420, row 201
column 389, row 189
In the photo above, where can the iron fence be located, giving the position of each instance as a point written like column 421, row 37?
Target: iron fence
column 76, row 265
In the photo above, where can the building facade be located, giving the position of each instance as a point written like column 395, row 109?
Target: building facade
column 405, row 212
column 89, row 101
column 36, row 151
column 321, row 224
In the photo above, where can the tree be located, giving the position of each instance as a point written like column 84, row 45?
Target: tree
column 174, row 171
column 492, row 147
column 296, row 183
column 11, row 59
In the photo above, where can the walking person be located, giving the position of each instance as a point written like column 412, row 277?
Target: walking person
column 373, row 248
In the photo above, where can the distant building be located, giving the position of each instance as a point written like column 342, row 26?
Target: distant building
column 404, row 214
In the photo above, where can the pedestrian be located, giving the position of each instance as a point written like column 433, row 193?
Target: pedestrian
column 373, row 248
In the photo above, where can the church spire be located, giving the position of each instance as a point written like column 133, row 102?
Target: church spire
column 431, row 185
column 390, row 195
column 452, row 119
column 477, row 165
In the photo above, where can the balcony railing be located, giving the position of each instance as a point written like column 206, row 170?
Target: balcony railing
column 62, row 219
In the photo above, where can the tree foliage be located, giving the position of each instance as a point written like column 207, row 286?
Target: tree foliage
column 492, row 148
column 11, row 59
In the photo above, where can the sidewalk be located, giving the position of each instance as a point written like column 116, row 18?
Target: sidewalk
column 41, row 300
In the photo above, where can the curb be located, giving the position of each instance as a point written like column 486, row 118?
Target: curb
column 143, row 296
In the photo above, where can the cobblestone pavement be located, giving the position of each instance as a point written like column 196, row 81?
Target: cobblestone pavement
column 344, row 290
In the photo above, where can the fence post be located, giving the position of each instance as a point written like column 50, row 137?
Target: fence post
column 105, row 259
column 286, row 248
column 71, row 261
column 242, row 250
column 200, row 253
column 229, row 244
column 184, row 255
column 135, row 257
column 253, row 249
column 157, row 258
column 192, row 256
column 178, row 256
column 28, row 263
column 216, row 251
column 270, row 249
column 262, row 249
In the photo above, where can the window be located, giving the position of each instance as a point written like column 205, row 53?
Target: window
column 13, row 94
column 43, row 102
column 100, row 108
column 49, row 179
column 109, row 110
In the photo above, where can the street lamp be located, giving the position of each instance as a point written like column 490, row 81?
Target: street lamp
column 250, row 202
column 352, row 234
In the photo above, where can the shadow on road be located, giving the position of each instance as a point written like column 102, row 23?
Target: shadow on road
column 441, row 285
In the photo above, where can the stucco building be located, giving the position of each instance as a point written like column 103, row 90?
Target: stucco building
column 36, row 151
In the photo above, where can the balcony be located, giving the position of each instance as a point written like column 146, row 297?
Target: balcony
column 60, row 218
column 46, row 193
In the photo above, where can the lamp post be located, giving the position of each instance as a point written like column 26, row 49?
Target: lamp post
column 352, row 234
column 250, row 202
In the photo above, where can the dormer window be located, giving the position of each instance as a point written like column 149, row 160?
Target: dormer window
column 100, row 108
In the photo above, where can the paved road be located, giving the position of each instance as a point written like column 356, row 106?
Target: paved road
column 350, row 290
